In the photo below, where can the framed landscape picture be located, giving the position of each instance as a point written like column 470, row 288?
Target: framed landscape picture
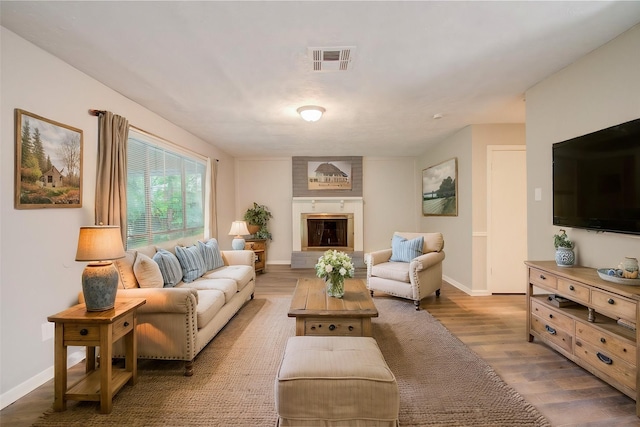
column 48, row 168
column 440, row 189
column 330, row 175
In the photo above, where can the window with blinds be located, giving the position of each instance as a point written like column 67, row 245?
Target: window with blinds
column 165, row 191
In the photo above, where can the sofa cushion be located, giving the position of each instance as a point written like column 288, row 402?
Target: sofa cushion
column 209, row 304
column 147, row 272
column 226, row 286
column 398, row 271
column 403, row 250
column 211, row 254
column 124, row 266
column 242, row 274
column 169, row 267
column 191, row 262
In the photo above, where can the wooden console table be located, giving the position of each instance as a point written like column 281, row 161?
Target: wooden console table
column 79, row 327
column 259, row 248
column 588, row 329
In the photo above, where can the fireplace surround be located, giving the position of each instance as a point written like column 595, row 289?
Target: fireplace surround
column 336, row 223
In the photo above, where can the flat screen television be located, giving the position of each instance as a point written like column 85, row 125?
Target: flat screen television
column 596, row 180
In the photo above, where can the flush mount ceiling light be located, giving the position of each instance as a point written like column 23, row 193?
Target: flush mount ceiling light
column 311, row 113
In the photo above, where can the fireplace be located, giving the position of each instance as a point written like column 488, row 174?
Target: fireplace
column 322, row 231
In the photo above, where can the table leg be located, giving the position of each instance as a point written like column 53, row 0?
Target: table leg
column 60, row 368
column 106, row 367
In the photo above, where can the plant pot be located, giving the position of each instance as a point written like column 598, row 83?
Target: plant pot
column 253, row 229
column 565, row 257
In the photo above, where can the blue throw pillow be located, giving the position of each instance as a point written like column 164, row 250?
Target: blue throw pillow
column 169, row 267
column 191, row 262
column 211, row 254
column 403, row 250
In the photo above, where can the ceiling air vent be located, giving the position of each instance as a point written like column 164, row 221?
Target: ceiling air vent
column 331, row 58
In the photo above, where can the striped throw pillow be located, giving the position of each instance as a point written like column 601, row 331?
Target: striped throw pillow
column 169, row 267
column 191, row 261
column 211, row 253
column 403, row 250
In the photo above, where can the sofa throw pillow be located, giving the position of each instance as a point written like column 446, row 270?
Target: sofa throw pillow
column 211, row 254
column 191, row 261
column 403, row 250
column 124, row 266
column 147, row 272
column 169, row 267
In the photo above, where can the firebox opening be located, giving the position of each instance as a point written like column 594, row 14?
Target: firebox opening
column 327, row 231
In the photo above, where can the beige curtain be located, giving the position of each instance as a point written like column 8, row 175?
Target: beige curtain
column 111, row 182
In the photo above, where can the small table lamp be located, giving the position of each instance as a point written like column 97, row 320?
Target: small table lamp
column 239, row 229
column 99, row 244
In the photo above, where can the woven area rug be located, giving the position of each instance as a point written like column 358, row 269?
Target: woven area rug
column 441, row 381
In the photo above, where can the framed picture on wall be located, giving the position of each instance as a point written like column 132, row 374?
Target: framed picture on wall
column 329, row 175
column 48, row 167
column 440, row 189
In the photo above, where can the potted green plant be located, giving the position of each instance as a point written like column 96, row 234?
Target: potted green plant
column 258, row 216
column 565, row 257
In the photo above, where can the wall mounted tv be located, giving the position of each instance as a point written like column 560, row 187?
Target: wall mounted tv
column 596, row 180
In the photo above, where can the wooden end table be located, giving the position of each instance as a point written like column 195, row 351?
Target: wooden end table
column 78, row 327
column 317, row 313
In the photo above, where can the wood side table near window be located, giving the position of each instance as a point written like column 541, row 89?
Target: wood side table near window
column 259, row 248
column 78, row 327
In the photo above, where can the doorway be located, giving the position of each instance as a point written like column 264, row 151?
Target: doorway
column 506, row 218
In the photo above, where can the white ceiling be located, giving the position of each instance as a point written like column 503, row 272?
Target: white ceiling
column 234, row 73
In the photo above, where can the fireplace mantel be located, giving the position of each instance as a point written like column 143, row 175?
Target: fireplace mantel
column 306, row 205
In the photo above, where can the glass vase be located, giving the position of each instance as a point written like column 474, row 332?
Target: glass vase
column 335, row 287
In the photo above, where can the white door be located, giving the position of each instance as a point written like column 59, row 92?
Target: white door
column 506, row 218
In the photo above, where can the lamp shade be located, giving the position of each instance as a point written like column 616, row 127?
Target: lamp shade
column 311, row 113
column 239, row 228
column 99, row 243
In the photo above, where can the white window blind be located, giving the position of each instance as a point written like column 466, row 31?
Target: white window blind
column 165, row 191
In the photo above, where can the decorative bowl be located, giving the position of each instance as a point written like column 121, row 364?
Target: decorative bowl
column 602, row 272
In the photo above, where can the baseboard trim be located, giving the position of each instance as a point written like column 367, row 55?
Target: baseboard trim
column 465, row 289
column 36, row 381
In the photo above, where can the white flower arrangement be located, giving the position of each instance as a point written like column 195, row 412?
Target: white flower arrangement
column 334, row 265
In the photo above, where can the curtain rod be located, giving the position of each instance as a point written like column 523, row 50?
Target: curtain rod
column 97, row 113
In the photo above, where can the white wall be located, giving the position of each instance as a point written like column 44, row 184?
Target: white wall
column 38, row 274
column 600, row 90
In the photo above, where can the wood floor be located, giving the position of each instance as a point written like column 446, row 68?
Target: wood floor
column 493, row 327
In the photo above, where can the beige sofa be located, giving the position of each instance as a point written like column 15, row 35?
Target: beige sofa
column 177, row 322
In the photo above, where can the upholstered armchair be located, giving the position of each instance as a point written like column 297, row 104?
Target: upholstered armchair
column 411, row 268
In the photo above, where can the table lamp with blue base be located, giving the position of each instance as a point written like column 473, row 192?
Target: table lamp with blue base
column 239, row 229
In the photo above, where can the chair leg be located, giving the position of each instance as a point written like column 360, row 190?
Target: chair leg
column 371, row 291
column 417, row 303
column 188, row 368
column 438, row 293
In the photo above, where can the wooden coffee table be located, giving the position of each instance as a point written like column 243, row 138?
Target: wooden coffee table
column 317, row 313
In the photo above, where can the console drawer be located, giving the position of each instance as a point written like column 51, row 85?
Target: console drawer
column 552, row 333
column 607, row 363
column 573, row 291
column 335, row 327
column 551, row 316
column 539, row 277
column 607, row 343
column 613, row 304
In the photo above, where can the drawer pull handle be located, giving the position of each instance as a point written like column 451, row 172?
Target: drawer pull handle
column 551, row 316
column 332, row 327
column 350, row 328
column 126, row 324
column 611, row 301
column 313, row 328
column 84, row 332
column 571, row 288
column 542, row 277
column 602, row 340
column 550, row 329
column 604, row 359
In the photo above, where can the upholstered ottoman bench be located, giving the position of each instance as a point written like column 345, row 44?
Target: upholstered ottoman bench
column 335, row 381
